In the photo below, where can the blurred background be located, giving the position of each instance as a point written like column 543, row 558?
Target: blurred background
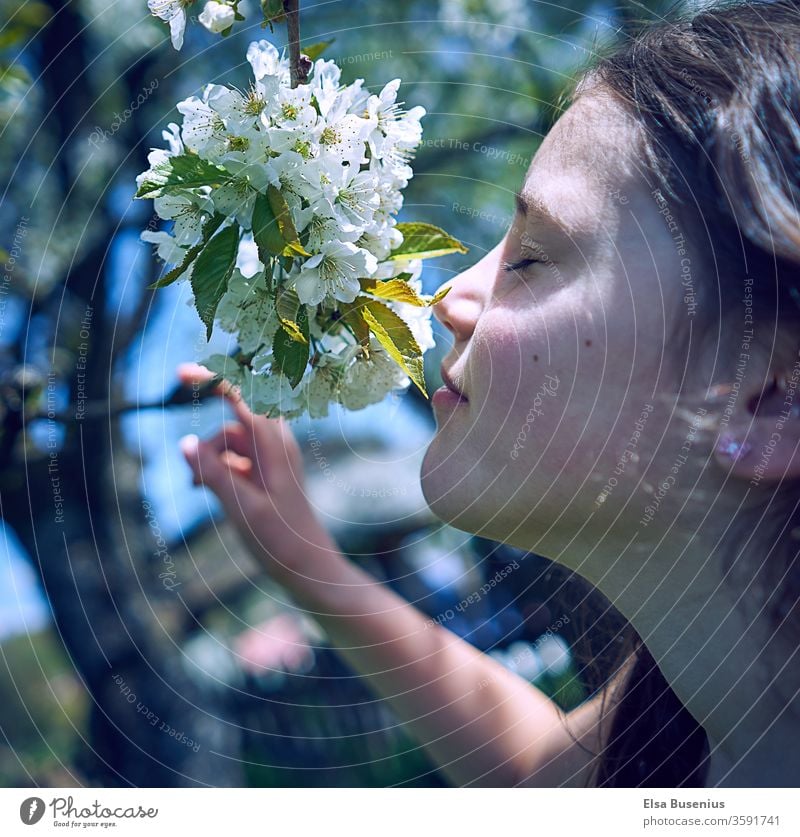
column 139, row 643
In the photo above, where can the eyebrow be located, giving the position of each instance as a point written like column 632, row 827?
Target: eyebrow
column 530, row 208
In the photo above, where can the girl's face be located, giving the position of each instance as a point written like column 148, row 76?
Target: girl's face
column 558, row 347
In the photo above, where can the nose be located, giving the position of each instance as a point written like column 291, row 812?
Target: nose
column 460, row 310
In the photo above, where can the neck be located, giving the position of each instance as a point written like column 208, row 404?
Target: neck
column 716, row 645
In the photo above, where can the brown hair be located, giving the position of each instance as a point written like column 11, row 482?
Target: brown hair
column 718, row 96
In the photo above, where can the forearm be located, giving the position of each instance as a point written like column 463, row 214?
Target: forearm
column 480, row 723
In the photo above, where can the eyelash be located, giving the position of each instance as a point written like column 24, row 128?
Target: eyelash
column 511, row 267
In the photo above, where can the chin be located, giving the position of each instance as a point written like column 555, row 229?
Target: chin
column 452, row 494
column 441, row 489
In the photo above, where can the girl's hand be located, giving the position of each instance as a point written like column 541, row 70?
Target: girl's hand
column 255, row 467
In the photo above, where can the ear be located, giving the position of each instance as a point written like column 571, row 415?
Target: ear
column 761, row 444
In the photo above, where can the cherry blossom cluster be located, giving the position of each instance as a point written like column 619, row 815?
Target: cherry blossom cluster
column 282, row 203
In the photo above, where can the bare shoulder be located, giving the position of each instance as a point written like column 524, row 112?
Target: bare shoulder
column 570, row 752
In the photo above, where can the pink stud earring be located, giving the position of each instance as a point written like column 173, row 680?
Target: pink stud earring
column 728, row 446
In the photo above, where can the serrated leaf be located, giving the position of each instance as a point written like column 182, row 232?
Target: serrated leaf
column 209, row 228
column 439, row 295
column 352, row 315
column 395, row 336
column 266, row 233
column 290, row 355
column 273, row 228
column 313, row 51
column 283, row 216
column 294, row 248
column 399, row 290
column 287, row 303
column 294, row 330
column 425, row 241
column 182, row 171
column 396, row 289
column 212, row 272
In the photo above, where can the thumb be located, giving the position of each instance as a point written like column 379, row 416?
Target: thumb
column 237, row 494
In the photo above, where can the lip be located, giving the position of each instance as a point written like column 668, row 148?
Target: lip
column 445, row 397
column 448, row 395
column 448, row 382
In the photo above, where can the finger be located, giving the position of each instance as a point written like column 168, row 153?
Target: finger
column 234, row 437
column 242, row 465
column 273, row 457
column 192, row 374
column 239, row 496
column 276, row 452
column 238, row 462
column 233, row 444
column 272, row 445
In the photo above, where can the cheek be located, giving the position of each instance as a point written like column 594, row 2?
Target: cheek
column 512, row 352
column 521, row 378
column 535, row 388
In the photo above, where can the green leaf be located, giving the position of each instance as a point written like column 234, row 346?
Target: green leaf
column 399, row 290
column 439, row 295
column 212, row 272
column 266, row 233
column 273, row 228
column 395, row 336
column 313, row 51
column 287, row 303
column 424, row 241
column 396, row 289
column 209, row 228
column 273, row 12
column 291, row 355
column 182, row 171
column 283, row 215
column 294, row 248
column 295, row 330
column 352, row 315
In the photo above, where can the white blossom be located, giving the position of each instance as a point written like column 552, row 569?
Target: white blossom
column 174, row 12
column 217, row 17
column 368, row 380
column 188, row 212
column 168, row 249
column 335, row 272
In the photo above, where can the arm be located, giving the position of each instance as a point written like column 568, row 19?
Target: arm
column 480, row 723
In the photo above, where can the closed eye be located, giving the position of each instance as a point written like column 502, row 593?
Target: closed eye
column 511, row 267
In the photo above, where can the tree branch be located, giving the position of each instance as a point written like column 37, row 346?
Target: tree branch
column 297, row 70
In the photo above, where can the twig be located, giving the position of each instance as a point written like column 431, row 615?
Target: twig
column 297, row 70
